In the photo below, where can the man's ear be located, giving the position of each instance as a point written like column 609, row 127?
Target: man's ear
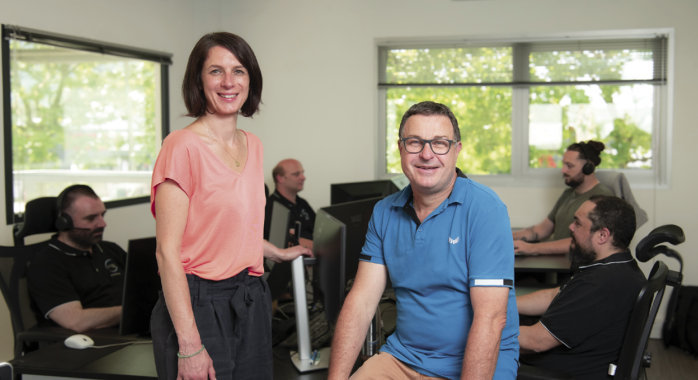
column 604, row 236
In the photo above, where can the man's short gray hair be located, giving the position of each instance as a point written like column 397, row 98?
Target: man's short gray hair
column 429, row 108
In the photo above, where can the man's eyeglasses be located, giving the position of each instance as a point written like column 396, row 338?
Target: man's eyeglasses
column 416, row 145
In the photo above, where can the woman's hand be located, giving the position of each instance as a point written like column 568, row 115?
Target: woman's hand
column 278, row 255
column 290, row 254
column 197, row 367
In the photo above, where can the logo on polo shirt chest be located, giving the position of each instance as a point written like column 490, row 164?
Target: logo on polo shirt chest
column 454, row 241
column 111, row 266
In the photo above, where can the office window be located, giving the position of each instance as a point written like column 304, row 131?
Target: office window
column 521, row 103
column 80, row 111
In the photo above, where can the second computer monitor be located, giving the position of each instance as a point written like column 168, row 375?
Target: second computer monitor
column 141, row 287
column 329, row 240
column 355, row 191
column 355, row 215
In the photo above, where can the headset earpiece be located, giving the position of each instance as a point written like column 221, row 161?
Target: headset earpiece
column 63, row 221
column 588, row 167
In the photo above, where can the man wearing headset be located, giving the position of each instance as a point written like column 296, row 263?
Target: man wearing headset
column 578, row 165
column 77, row 281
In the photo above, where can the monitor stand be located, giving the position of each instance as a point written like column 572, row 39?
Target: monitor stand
column 301, row 359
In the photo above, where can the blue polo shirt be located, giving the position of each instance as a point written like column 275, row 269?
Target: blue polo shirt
column 464, row 242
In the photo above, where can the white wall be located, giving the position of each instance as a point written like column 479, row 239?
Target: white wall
column 319, row 63
column 320, row 99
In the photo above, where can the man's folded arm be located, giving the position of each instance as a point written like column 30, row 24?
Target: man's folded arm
column 537, row 338
column 356, row 314
column 536, row 303
column 72, row 316
column 489, row 320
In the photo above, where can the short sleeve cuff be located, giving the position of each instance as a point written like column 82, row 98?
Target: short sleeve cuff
column 371, row 259
column 491, row 282
column 554, row 336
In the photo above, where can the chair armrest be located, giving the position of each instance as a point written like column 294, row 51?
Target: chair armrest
column 527, row 372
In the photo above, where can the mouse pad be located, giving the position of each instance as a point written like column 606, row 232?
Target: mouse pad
column 58, row 356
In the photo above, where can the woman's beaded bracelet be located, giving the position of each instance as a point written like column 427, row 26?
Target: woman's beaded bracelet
column 188, row 356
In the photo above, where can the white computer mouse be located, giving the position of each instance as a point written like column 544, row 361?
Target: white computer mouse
column 79, row 341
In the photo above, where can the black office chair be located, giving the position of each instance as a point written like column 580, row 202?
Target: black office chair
column 634, row 358
column 6, row 371
column 39, row 218
column 13, row 270
column 650, row 247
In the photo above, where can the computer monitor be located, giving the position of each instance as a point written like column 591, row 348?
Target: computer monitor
column 355, row 216
column 141, row 287
column 355, row 191
column 329, row 242
column 279, row 225
column 279, row 236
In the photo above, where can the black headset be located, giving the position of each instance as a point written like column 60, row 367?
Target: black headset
column 63, row 221
column 588, row 167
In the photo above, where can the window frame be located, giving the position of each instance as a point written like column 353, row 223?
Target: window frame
column 659, row 177
column 75, row 43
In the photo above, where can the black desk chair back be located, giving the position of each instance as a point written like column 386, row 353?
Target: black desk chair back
column 5, row 371
column 634, row 358
column 13, row 284
column 632, row 362
column 39, row 218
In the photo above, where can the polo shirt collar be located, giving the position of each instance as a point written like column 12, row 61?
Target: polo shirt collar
column 68, row 250
column 616, row 258
column 457, row 193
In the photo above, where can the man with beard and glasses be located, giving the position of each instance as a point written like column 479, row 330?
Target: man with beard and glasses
column 578, row 165
column 77, row 281
column 583, row 323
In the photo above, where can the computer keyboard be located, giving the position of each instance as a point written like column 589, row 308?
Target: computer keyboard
column 320, row 333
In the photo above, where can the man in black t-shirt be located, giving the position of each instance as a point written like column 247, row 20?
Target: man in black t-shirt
column 289, row 178
column 77, row 281
column 583, row 323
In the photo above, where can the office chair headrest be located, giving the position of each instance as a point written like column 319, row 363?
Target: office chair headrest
column 648, row 247
column 39, row 217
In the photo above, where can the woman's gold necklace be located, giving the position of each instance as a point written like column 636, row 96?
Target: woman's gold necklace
column 237, row 163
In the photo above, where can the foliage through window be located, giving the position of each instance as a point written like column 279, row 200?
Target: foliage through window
column 567, row 91
column 78, row 116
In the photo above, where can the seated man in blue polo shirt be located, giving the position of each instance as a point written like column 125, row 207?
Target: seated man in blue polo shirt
column 445, row 241
column 583, row 323
column 77, row 281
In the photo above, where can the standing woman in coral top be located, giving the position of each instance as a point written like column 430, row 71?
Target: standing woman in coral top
column 213, row 318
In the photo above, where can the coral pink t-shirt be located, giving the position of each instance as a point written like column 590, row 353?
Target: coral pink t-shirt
column 224, row 230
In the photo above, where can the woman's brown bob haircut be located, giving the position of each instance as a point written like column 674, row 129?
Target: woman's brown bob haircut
column 192, row 87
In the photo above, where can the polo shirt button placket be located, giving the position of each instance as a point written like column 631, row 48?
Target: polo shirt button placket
column 420, row 235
